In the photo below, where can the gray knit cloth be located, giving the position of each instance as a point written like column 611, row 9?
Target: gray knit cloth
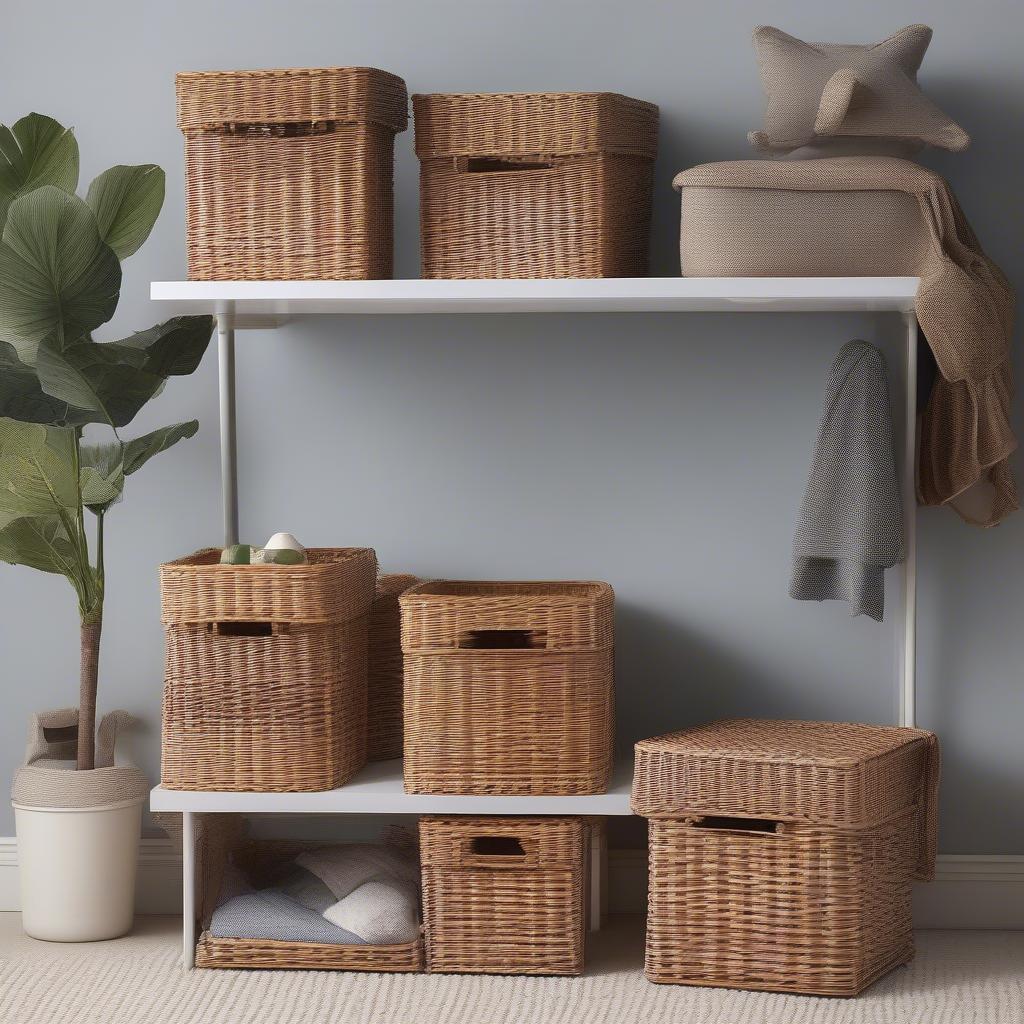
column 850, row 527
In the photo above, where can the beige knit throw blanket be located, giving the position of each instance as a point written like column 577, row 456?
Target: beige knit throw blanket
column 964, row 306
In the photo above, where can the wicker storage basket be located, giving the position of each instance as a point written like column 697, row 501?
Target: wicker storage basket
column 288, row 174
column 261, row 861
column 504, row 895
column 535, row 184
column 762, row 232
column 384, row 699
column 265, row 685
column 508, row 688
column 782, row 853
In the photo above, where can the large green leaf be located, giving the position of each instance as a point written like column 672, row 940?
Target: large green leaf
column 22, row 398
column 127, row 202
column 36, row 151
column 113, row 381
column 102, row 474
column 40, row 542
column 58, row 279
column 37, row 470
column 138, row 452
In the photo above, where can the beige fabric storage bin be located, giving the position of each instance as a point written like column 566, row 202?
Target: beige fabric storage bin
column 772, row 232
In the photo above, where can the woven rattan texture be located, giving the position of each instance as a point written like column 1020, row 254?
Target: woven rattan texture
column 384, row 696
column 288, row 174
column 727, row 232
column 336, row 585
column 527, row 185
column 498, row 912
column 266, row 672
column 278, row 713
column 263, row 862
column 505, row 719
column 829, row 773
column 805, row 908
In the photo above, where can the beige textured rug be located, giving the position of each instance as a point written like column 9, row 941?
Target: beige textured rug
column 957, row 978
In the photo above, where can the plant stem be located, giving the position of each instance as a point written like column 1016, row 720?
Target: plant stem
column 89, row 678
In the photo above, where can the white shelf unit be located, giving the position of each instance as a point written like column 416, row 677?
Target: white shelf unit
column 240, row 305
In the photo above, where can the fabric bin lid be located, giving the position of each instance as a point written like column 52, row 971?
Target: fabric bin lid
column 533, row 124
column 209, row 100
column 830, row 773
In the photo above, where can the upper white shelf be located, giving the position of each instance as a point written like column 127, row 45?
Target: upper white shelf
column 261, row 302
column 377, row 789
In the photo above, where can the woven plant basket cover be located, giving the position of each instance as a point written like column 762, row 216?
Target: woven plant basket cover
column 509, row 687
column 803, row 908
column 384, row 698
column 261, row 860
column 288, row 173
column 504, row 895
column 266, row 671
column 534, row 185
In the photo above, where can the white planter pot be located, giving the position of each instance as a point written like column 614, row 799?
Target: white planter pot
column 77, row 869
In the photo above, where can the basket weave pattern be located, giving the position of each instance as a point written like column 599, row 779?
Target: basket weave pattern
column 782, row 853
column 384, row 699
column 288, row 174
column 271, row 696
column 261, row 861
column 804, row 909
column 526, row 185
column 501, row 913
column 484, row 716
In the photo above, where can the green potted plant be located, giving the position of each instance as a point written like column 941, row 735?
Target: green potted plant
column 60, row 278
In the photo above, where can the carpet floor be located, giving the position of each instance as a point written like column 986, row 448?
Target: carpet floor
column 957, row 978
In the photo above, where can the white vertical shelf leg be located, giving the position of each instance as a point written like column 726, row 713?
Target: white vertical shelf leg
column 598, row 873
column 188, row 889
column 908, row 687
column 228, row 438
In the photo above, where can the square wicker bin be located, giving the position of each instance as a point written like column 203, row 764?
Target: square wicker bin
column 288, row 173
column 509, row 688
column 535, row 184
column 504, row 895
column 782, row 854
column 261, row 861
column 266, row 672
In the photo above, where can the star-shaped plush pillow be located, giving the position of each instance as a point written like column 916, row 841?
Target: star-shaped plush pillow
column 837, row 98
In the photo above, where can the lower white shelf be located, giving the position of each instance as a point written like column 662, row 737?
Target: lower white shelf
column 377, row 789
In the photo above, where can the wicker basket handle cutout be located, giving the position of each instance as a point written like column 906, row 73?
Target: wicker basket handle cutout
column 504, row 164
column 238, row 627
column 498, row 853
column 739, row 826
column 503, row 640
column 271, row 129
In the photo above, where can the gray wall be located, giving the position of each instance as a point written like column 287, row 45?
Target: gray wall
column 664, row 454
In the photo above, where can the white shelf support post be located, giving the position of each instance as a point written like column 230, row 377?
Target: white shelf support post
column 228, row 437
column 188, row 889
column 908, row 682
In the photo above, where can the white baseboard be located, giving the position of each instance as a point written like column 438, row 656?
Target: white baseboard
column 968, row 891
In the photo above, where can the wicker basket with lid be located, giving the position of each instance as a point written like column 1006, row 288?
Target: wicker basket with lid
column 535, row 184
column 782, row 853
column 288, row 173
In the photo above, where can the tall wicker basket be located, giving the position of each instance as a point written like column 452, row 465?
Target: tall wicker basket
column 535, row 184
column 265, row 685
column 782, row 853
column 504, row 895
column 384, row 699
column 288, row 174
column 508, row 687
